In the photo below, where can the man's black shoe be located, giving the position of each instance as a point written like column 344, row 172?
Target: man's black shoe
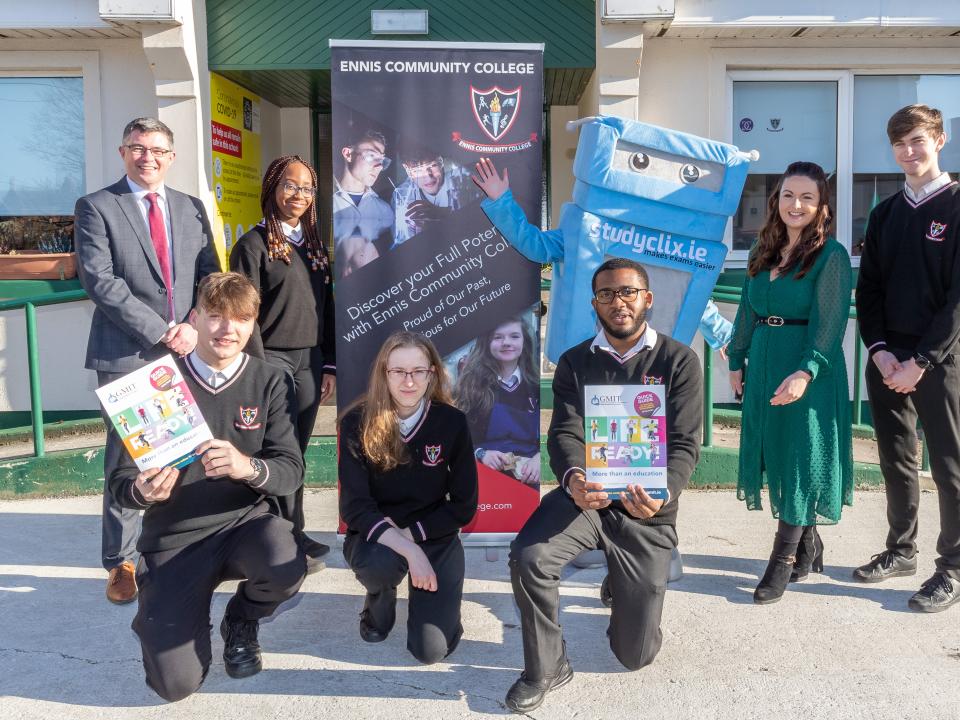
column 885, row 565
column 241, row 650
column 606, row 597
column 368, row 632
column 936, row 594
column 526, row 695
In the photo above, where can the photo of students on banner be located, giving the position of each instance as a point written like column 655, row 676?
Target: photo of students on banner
column 362, row 219
column 498, row 388
column 434, row 188
column 414, row 251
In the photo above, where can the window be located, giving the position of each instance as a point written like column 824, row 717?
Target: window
column 876, row 97
column 786, row 121
column 42, row 143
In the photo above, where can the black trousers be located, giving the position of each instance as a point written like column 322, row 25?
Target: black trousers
column 638, row 562
column 120, row 526
column 936, row 401
column 433, row 618
column 177, row 586
column 306, row 368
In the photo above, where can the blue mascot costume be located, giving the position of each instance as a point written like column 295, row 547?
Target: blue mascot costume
column 643, row 192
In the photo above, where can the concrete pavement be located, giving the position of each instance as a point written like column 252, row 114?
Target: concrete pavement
column 831, row 648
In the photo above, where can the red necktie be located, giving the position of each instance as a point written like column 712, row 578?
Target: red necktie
column 158, row 233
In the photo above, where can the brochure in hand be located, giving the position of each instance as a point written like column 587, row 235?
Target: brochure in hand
column 625, row 428
column 155, row 414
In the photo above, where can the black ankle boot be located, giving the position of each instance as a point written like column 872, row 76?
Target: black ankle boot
column 775, row 579
column 809, row 555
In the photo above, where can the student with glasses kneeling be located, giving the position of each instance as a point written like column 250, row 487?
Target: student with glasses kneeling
column 408, row 483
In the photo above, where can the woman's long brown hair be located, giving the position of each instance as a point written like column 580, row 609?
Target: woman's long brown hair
column 380, row 437
column 768, row 253
column 475, row 392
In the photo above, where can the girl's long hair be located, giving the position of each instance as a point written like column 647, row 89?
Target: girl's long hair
column 277, row 246
column 476, row 388
column 380, row 437
column 773, row 235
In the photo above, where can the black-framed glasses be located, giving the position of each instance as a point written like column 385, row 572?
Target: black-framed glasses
column 605, row 296
column 290, row 189
column 400, row 375
column 140, row 150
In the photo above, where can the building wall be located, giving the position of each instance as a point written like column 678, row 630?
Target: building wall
column 126, row 90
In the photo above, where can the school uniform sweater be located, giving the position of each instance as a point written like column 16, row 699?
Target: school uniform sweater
column 296, row 303
column 252, row 411
column 434, row 493
column 668, row 363
column 908, row 289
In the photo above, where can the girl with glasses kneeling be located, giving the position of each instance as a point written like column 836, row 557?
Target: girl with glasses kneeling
column 408, row 483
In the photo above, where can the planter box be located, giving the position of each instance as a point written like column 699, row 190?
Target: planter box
column 38, row 266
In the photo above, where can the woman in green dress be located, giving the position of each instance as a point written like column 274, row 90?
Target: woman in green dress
column 796, row 404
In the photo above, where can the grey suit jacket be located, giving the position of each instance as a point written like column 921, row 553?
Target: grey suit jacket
column 119, row 269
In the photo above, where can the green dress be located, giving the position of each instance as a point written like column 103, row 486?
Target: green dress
column 803, row 450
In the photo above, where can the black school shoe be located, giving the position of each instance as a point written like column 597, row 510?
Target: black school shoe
column 368, row 632
column 526, row 695
column 936, row 594
column 241, row 649
column 885, row 565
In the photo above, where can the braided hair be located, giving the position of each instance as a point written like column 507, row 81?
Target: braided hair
column 277, row 245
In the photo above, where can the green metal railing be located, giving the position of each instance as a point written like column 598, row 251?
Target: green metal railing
column 30, row 306
column 721, row 294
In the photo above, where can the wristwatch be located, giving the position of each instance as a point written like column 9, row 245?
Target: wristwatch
column 922, row 361
column 256, row 464
column 479, row 453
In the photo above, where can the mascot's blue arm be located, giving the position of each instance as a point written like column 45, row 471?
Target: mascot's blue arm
column 714, row 327
column 542, row 246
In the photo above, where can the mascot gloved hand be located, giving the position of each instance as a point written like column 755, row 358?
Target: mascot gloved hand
column 654, row 195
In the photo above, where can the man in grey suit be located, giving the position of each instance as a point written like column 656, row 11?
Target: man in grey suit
column 142, row 248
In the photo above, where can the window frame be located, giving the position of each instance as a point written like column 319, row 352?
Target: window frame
column 82, row 64
column 844, row 129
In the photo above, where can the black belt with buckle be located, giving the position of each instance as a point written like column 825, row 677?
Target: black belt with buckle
column 777, row 321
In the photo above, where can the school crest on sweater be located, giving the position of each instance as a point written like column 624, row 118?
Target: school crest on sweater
column 433, row 455
column 936, row 231
column 248, row 419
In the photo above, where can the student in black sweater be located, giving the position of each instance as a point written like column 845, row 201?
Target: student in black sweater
column 408, row 483
column 285, row 259
column 636, row 533
column 212, row 521
column 908, row 305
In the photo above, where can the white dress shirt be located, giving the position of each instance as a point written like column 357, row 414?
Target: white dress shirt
column 941, row 181
column 214, row 378
column 408, row 424
column 647, row 340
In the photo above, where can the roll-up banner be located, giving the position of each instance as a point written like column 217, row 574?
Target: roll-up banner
column 414, row 250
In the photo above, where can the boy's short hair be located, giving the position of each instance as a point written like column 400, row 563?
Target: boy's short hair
column 230, row 294
column 620, row 263
column 912, row 116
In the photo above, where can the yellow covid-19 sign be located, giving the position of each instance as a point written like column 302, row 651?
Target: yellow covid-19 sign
column 235, row 132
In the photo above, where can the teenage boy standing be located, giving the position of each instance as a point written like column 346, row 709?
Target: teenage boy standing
column 213, row 520
column 908, row 304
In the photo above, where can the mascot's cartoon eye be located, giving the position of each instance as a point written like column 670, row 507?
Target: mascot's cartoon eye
column 689, row 173
column 639, row 161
